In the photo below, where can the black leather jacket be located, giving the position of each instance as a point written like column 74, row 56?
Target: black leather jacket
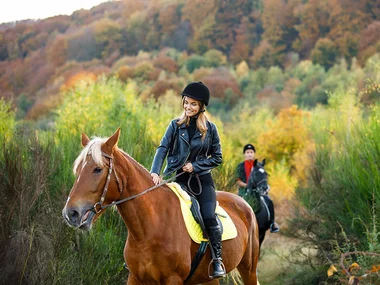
column 176, row 146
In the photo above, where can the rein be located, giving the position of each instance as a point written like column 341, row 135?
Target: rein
column 98, row 207
column 262, row 192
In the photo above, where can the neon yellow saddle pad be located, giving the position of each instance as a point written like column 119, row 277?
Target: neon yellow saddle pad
column 194, row 229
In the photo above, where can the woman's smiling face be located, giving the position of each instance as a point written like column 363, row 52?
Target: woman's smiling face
column 191, row 106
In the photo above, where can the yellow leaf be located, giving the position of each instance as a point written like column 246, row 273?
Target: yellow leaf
column 331, row 270
column 354, row 266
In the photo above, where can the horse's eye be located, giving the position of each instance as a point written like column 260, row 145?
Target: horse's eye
column 97, row 170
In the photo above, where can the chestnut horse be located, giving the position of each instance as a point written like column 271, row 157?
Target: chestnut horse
column 158, row 249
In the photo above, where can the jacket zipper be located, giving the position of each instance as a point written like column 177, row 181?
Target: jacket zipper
column 196, row 158
column 185, row 159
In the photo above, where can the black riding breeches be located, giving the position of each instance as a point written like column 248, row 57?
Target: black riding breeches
column 270, row 205
column 204, row 191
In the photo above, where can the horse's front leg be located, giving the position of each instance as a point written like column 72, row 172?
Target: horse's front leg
column 132, row 280
column 173, row 280
column 212, row 282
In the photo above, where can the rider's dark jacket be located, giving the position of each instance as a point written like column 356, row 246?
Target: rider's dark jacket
column 175, row 145
column 240, row 174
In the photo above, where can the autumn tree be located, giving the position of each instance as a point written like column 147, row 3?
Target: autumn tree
column 169, row 19
column 324, row 53
column 286, row 137
column 263, row 55
column 201, row 16
column 108, row 35
column 369, row 42
column 227, row 22
column 241, row 49
column 278, row 23
column 314, row 19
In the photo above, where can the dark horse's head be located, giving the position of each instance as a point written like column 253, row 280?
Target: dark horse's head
column 258, row 181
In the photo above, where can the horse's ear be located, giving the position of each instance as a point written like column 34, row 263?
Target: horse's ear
column 255, row 162
column 85, row 140
column 264, row 160
column 111, row 143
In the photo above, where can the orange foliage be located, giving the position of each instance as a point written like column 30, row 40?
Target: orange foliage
column 161, row 86
column 43, row 107
column 275, row 100
column 278, row 21
column 57, row 51
column 201, row 73
column 81, row 77
column 154, row 74
column 130, row 7
column 169, row 18
column 240, row 49
column 221, row 81
column 369, row 37
column 124, row 73
column 228, row 17
column 166, row 63
column 288, row 139
column 263, row 55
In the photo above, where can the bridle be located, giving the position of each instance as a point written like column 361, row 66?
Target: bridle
column 98, row 206
column 105, row 189
column 256, row 185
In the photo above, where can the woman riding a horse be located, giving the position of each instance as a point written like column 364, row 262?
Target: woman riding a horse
column 159, row 249
column 192, row 145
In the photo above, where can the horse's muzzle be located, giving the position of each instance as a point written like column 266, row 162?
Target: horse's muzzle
column 78, row 218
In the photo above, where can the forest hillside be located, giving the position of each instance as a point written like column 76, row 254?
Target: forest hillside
column 166, row 39
column 299, row 79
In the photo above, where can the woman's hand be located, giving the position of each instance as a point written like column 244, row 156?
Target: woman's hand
column 241, row 184
column 156, row 178
column 188, row 167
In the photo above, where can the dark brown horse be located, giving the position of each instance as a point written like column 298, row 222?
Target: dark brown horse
column 158, row 249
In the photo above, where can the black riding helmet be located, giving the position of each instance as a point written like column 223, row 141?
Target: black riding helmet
column 197, row 91
column 249, row 146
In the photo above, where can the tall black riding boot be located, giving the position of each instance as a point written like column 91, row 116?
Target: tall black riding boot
column 215, row 238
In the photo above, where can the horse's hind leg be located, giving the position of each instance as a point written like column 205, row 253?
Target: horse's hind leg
column 249, row 276
column 248, row 265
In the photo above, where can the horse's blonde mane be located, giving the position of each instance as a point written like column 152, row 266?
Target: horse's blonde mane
column 93, row 148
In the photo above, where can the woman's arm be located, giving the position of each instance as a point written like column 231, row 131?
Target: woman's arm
column 163, row 148
column 215, row 154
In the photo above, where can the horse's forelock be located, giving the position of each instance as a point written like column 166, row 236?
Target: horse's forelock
column 93, row 148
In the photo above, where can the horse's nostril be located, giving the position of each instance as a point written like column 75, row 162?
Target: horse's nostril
column 73, row 215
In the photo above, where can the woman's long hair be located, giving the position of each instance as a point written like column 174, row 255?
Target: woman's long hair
column 201, row 120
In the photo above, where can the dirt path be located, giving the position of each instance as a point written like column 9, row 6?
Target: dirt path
column 275, row 249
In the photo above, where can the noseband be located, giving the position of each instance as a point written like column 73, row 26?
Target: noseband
column 261, row 181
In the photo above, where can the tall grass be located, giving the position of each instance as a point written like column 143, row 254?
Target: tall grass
column 344, row 186
column 37, row 247
column 36, row 176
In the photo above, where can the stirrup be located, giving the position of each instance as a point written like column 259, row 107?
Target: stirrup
column 219, row 274
column 274, row 230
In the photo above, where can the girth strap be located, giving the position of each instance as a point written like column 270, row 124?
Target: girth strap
column 197, row 258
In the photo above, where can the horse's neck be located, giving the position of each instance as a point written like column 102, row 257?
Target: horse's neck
column 146, row 213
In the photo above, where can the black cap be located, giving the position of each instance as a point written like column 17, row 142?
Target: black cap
column 249, row 146
column 197, row 91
